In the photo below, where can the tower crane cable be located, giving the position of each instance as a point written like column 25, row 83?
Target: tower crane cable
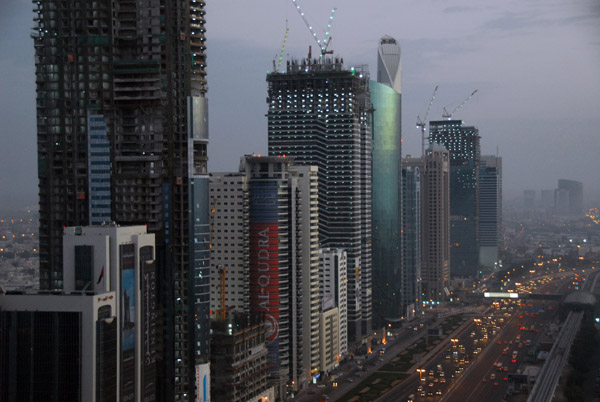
column 448, row 116
column 323, row 44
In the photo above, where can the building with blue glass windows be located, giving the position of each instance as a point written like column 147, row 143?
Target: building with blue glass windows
column 98, row 169
column 490, row 210
column 462, row 142
column 320, row 113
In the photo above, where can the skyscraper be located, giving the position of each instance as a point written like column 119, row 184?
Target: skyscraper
column 134, row 74
column 574, row 203
column 490, row 209
column 435, row 187
column 386, row 99
column 320, row 115
column 411, row 235
column 284, row 266
column 462, row 142
column 230, row 226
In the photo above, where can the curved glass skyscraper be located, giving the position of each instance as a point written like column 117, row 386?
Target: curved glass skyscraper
column 386, row 191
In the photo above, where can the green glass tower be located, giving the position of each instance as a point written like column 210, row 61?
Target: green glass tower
column 386, row 191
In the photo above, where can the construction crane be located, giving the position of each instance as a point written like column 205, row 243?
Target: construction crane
column 422, row 124
column 323, row 44
column 446, row 115
column 278, row 66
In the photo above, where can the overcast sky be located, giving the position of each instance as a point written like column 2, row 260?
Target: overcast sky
column 536, row 64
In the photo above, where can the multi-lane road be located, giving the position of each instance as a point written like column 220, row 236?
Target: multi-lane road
column 481, row 361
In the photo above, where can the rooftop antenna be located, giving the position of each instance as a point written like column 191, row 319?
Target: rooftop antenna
column 446, row 115
column 422, row 124
column 324, row 43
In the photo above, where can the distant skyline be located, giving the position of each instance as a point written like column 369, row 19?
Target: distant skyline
column 536, row 64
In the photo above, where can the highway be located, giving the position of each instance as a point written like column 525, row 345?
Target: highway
column 466, row 368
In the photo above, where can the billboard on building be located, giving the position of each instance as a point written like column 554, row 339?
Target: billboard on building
column 127, row 305
column 264, row 260
column 148, row 323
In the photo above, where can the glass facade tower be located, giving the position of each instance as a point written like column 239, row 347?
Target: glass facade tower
column 462, row 142
column 320, row 115
column 387, row 199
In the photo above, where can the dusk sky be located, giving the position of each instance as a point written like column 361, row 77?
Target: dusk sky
column 536, row 64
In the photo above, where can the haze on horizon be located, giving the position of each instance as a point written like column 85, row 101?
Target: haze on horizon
column 535, row 63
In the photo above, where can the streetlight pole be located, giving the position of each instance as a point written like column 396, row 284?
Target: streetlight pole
column 420, row 371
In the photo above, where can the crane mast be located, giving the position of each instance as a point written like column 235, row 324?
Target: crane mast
column 422, row 124
column 282, row 51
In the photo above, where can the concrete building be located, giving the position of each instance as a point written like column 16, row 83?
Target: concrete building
column 59, row 347
column 569, row 200
column 386, row 101
column 284, row 266
column 320, row 113
column 435, row 193
column 230, row 241
column 99, row 259
column 239, row 360
column 329, row 340
column 333, row 290
column 411, row 236
column 547, row 199
column 490, row 210
column 462, row 143
column 529, row 201
column 117, row 68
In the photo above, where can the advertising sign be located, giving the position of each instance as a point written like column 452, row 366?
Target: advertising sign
column 264, row 259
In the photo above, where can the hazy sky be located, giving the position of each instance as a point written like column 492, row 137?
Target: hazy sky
column 536, row 64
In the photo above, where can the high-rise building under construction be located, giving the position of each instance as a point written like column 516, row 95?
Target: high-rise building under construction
column 320, row 113
column 122, row 136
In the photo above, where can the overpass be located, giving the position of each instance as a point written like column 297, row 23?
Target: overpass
column 515, row 295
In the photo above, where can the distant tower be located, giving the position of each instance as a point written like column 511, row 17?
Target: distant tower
column 320, row 115
column 435, row 270
column 462, row 142
column 412, row 170
column 387, row 190
column 490, row 209
column 572, row 202
column 389, row 68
